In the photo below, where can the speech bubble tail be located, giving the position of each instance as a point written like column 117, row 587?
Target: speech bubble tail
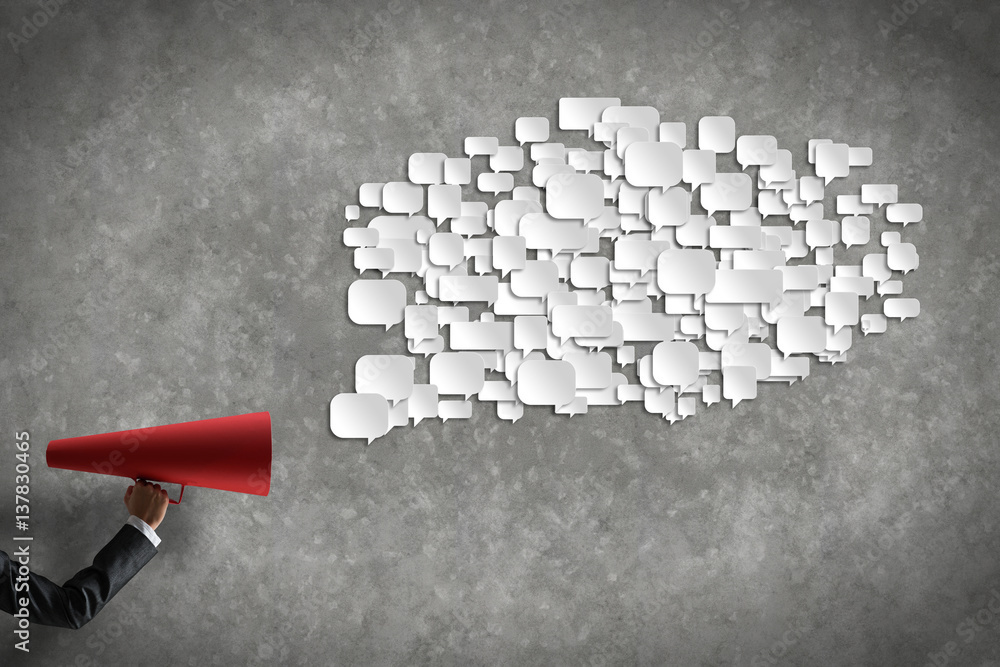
column 737, row 401
column 417, row 420
column 827, row 179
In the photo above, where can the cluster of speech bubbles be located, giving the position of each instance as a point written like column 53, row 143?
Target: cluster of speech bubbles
column 545, row 297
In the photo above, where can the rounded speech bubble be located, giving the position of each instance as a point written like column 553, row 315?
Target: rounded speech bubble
column 379, row 302
column 359, row 416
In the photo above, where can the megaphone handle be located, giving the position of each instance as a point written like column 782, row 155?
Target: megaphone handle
column 178, row 501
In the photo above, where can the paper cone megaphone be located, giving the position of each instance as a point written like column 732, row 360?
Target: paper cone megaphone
column 228, row 453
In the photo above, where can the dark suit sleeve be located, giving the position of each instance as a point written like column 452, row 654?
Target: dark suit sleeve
column 79, row 599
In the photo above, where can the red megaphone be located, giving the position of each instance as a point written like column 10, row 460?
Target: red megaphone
column 228, row 453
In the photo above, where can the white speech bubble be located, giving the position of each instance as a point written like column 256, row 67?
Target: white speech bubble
column 616, row 339
column 574, row 196
column 446, row 249
column 858, row 285
column 593, row 371
column 460, row 373
column 469, row 225
column 401, row 226
column 407, row 255
column 509, row 253
column 822, row 233
column 422, row 403
column 758, row 259
column 890, row 287
column 653, row 164
column 779, row 171
column 717, row 133
column 545, row 382
column 370, row 195
column 855, row 230
column 590, row 272
column 756, row 149
column 581, row 113
column 746, row 286
column 832, row 161
column 420, row 322
column 482, row 336
column 507, row 158
column 389, row 375
column 901, row 308
column 359, row 416
column 360, row 237
column 645, row 117
column 569, row 321
column 859, row 156
column 771, row 203
column 444, row 202
column 454, row 410
column 902, row 257
column 542, row 173
column 686, row 271
column 587, row 161
column 879, row 194
column 852, row 205
column 536, row 279
column 531, row 129
column 873, row 323
column 668, row 208
column 380, row 259
column 801, row 335
column 530, row 332
column 675, row 364
column 495, row 183
column 468, row 288
column 543, row 232
column 481, row 146
column 904, row 213
column 811, row 189
column 627, row 136
column 674, row 132
column 754, row 355
column 352, row 212
column 727, row 236
column 698, row 167
column 402, row 197
column 728, row 317
column 728, row 192
column 636, row 254
column 840, row 309
column 378, row 302
column 607, row 133
column 876, row 266
column 426, row 168
column 739, row 383
column 458, row 171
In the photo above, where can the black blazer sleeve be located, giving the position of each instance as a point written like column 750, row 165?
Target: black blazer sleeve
column 79, row 599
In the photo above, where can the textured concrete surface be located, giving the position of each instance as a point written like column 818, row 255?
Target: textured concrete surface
column 172, row 184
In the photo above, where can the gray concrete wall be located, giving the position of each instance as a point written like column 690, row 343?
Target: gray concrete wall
column 172, row 185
